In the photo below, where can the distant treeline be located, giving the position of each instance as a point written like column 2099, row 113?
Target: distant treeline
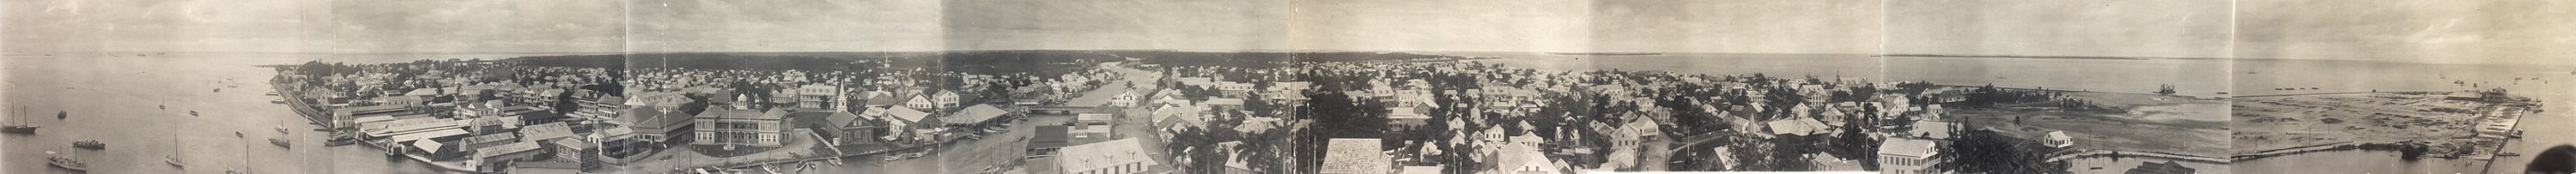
column 611, row 62
column 738, row 61
column 983, row 62
column 1175, row 58
column 1033, row 62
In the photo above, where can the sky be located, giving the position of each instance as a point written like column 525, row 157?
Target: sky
column 2174, row 28
column 311, row 26
column 2434, row 31
column 1833, row 26
column 2388, row 30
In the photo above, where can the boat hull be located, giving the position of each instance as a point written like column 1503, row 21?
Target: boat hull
column 20, row 130
column 90, row 145
column 67, row 163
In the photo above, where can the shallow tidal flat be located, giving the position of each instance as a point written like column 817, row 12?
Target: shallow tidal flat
column 2277, row 122
column 2153, row 123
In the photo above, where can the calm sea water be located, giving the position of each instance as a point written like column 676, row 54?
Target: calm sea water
column 2258, row 77
column 117, row 99
column 2194, row 77
column 1777, row 65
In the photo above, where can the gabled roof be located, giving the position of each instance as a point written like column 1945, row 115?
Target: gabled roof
column 432, row 146
column 1799, row 126
column 1356, row 155
column 1932, row 129
column 890, row 100
column 721, row 112
column 575, row 143
column 774, row 113
column 1050, row 136
column 422, row 92
column 1405, row 113
column 1525, row 157
column 1087, row 157
column 615, row 131
column 977, row 113
column 1224, row 101
column 1643, row 127
column 844, row 119
column 1622, row 158
column 1907, row 147
column 907, row 114
column 662, row 120
column 489, row 138
column 546, row 131
column 488, row 152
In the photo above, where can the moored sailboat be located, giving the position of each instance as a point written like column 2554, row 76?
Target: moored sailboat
column 173, row 157
column 20, row 129
column 20, row 126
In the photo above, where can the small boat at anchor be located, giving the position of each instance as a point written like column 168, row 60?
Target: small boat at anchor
column 90, row 144
column 280, row 143
column 67, row 163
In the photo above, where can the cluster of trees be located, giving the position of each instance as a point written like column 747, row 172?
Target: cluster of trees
column 1853, row 143
column 1987, row 151
column 1202, row 147
column 399, row 75
column 1991, row 97
column 1264, row 59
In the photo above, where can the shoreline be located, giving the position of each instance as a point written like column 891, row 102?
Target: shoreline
column 2132, row 154
column 2482, row 152
column 2328, row 93
column 2195, row 97
column 305, row 110
column 2328, row 147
